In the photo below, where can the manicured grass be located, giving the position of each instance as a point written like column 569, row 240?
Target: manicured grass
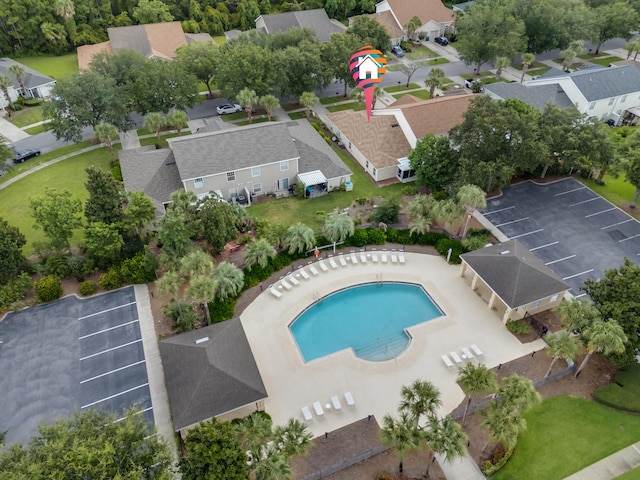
column 566, row 434
column 630, row 475
column 26, row 116
column 330, row 100
column 538, row 71
column 54, row 67
column 469, row 76
column 438, row 61
column 292, row 106
column 255, row 120
column 401, row 88
column 616, row 190
column 297, row 115
column 394, row 68
column 423, row 94
column 605, row 62
column 419, row 53
column 43, row 127
column 292, row 209
column 347, row 106
column 532, row 66
column 233, row 116
column 163, row 139
column 66, row 175
column 624, row 393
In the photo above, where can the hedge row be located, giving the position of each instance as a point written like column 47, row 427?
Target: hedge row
column 16, row 290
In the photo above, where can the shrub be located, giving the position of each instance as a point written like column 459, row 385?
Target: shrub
column 183, row 316
column 48, row 288
column 387, row 212
column 430, row 238
column 443, row 246
column 15, row 290
column 376, row 237
column 518, row 327
column 409, row 190
column 110, row 280
column 87, row 288
column 488, row 468
column 475, row 242
column 360, row 238
column 136, row 270
column 221, row 310
column 77, row 266
column 57, row 264
column 32, row 102
column 116, row 172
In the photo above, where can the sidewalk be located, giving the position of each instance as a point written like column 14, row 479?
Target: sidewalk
column 612, row 466
column 463, row 468
column 12, row 133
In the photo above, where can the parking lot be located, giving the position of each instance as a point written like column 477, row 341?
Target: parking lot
column 71, row 355
column 574, row 231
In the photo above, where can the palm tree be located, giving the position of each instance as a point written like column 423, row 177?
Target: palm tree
column 603, row 337
column 248, row 98
column 53, row 32
column 577, row 315
column 155, row 122
column 419, row 226
column 64, row 8
column 562, row 346
column 357, row 94
column 19, row 71
column 169, row 284
column 567, row 56
column 503, row 425
column 501, row 64
column 445, row 437
column 178, row 119
column 475, row 379
column 402, row 434
column 421, row 206
column 434, row 80
column 5, row 84
column 338, row 227
column 293, row 439
column 411, row 26
column 308, row 100
column 269, row 102
column 203, row 290
column 229, row 279
column 527, row 61
column 299, row 238
column 448, row 211
column 420, row 398
column 470, row 198
column 277, row 234
column 518, row 393
column 197, row 263
column 254, row 431
column 270, row 464
column 258, row 252
column 107, row 133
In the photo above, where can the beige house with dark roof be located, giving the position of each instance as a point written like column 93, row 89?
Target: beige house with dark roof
column 154, row 40
column 434, row 15
column 382, row 146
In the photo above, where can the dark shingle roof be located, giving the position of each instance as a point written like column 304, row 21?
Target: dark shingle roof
column 32, row 78
column 132, row 37
column 212, row 377
column 514, row 273
column 316, row 20
column 596, row 84
column 535, row 95
column 315, row 153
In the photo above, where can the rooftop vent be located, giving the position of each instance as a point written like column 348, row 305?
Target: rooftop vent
column 505, row 252
column 202, row 340
column 393, row 125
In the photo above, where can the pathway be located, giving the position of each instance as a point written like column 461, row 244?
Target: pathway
column 612, row 466
column 12, row 133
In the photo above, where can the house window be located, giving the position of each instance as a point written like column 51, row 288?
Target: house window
column 612, row 101
column 233, row 192
column 284, row 165
column 257, row 188
column 366, row 164
column 553, row 298
column 374, row 172
column 231, row 176
column 198, row 183
column 255, row 171
column 592, row 105
column 624, row 98
column 283, row 184
column 535, row 304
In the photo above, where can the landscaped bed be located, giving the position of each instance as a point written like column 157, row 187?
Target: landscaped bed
column 624, row 392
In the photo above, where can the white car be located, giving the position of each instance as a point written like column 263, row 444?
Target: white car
column 228, row 108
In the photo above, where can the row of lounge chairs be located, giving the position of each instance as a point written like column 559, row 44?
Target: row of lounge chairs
column 335, row 404
column 466, row 355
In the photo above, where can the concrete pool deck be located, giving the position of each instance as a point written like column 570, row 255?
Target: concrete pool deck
column 375, row 386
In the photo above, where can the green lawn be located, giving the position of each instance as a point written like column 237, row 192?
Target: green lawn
column 630, row 475
column 220, row 40
column 293, row 106
column 419, row 53
column 54, row 67
column 396, row 67
column 291, row 209
column 533, row 65
column 255, row 120
column 538, row 71
column 566, row 434
column 616, row 190
column 423, row 94
column 67, row 175
column 347, row 106
column 330, row 100
column 438, row 61
column 43, row 127
column 624, row 393
column 26, row 116
column 163, row 139
column 298, row 115
column 606, row 61
column 401, row 88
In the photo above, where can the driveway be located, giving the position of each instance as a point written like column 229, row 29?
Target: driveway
column 573, row 230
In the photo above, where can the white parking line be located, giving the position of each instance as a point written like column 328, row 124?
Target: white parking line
column 107, row 310
column 629, row 238
column 499, row 210
column 111, row 371
column 559, row 260
column 598, row 213
column 616, row 224
column 107, row 329
column 512, row 221
column 577, row 274
column 110, row 350
column 569, row 191
column 114, row 395
column 545, row 245
column 137, row 412
column 584, row 201
column 528, row 233
column 580, row 296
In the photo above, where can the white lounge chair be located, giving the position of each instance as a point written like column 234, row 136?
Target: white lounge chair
column 401, row 257
column 476, row 350
column 336, row 402
column 394, row 257
column 374, row 256
column 291, row 277
column 284, row 283
column 349, row 398
column 333, row 263
column 304, row 273
column 363, row 257
column 323, row 266
column 456, row 357
column 343, row 262
column 446, row 361
column 274, row 292
column 354, row 259
column 306, row 413
column 318, row 408
column 313, row 270
column 467, row 355
column 383, row 257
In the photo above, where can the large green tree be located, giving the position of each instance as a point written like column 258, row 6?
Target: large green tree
column 562, row 345
column 299, row 238
column 106, row 197
column 245, row 65
column 90, row 444
column 174, row 236
column 152, row 11
column 402, row 434
column 299, row 69
column 336, row 54
column 57, row 215
column 139, row 213
column 103, row 242
column 613, row 20
column 370, row 32
column 338, row 227
column 435, row 162
column 421, row 398
column 229, row 280
column 201, row 60
column 11, row 257
column 162, row 86
column 219, row 223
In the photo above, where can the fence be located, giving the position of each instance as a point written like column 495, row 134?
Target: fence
column 538, row 327
column 325, row 472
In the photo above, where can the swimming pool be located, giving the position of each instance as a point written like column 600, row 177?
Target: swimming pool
column 371, row 319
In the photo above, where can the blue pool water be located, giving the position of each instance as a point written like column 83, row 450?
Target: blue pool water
column 371, row 319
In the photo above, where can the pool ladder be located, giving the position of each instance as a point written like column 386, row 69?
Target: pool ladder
column 317, row 298
column 379, row 279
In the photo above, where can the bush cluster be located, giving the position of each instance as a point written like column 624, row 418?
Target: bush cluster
column 518, row 327
column 15, row 290
column 87, row 288
column 48, row 288
column 489, row 467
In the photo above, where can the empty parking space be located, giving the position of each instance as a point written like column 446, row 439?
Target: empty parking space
column 72, row 355
column 570, row 228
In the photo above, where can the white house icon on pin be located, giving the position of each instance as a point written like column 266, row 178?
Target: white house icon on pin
column 367, row 67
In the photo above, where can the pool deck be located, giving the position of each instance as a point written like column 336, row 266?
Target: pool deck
column 375, row 386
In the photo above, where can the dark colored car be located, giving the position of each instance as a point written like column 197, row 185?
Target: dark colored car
column 441, row 41
column 397, row 51
column 19, row 157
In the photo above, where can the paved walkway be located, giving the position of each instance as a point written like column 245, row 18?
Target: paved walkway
column 464, row 468
column 612, row 466
column 12, row 133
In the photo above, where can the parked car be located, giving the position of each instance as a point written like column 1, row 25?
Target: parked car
column 397, row 51
column 228, row 108
column 441, row 41
column 19, row 157
column 470, row 84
